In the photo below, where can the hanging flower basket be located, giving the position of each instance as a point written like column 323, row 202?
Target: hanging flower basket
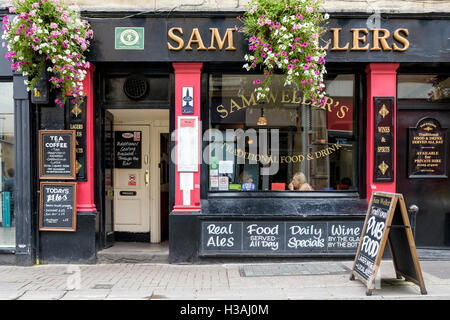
column 48, row 33
column 284, row 36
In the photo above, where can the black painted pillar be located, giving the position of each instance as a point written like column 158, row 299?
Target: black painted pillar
column 23, row 208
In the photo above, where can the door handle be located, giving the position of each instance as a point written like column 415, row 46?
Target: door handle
column 147, row 177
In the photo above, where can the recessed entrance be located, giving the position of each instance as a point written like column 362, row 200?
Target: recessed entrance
column 135, row 162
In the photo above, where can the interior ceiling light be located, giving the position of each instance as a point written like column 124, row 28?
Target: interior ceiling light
column 262, row 121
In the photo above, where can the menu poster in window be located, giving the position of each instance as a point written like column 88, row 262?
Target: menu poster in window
column 57, row 154
column 58, row 206
column 428, row 150
column 128, row 149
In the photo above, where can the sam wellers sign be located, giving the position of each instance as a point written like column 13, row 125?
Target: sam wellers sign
column 216, row 39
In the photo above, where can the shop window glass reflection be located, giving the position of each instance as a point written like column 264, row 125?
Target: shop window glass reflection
column 7, row 187
column 284, row 142
column 424, row 87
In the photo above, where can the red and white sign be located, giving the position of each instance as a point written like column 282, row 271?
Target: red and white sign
column 131, row 179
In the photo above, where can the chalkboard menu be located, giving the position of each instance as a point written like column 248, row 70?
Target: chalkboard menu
column 373, row 234
column 280, row 237
column 57, row 154
column 58, row 206
column 383, row 170
column 428, row 150
column 128, row 146
column 387, row 222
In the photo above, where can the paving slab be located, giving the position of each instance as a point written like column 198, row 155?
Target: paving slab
column 42, row 295
column 10, row 294
column 86, row 294
column 117, row 294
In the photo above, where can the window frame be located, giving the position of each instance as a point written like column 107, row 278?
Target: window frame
column 360, row 137
column 6, row 79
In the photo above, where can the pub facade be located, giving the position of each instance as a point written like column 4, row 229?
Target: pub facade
column 171, row 143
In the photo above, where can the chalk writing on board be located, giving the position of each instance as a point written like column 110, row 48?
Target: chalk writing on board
column 371, row 241
column 57, row 206
column 57, row 154
column 128, row 149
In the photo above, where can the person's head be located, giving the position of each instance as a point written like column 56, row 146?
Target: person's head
column 11, row 172
column 298, row 179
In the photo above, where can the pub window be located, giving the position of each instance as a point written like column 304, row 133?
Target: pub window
column 7, row 188
column 284, row 142
column 430, row 88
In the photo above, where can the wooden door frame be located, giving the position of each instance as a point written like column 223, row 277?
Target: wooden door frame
column 157, row 127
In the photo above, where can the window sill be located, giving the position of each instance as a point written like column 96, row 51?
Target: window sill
column 283, row 194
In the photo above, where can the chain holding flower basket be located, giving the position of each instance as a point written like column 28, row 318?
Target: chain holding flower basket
column 48, row 36
column 284, row 36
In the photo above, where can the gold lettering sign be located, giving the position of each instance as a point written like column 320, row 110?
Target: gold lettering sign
column 176, row 36
column 381, row 40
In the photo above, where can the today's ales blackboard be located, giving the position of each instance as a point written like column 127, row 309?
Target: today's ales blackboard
column 387, row 222
column 57, row 154
column 58, row 206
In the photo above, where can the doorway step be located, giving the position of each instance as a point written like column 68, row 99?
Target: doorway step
column 135, row 252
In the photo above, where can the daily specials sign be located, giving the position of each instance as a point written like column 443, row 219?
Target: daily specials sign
column 387, row 221
column 58, row 206
column 57, row 154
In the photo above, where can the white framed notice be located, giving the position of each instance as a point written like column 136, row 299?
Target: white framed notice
column 188, row 144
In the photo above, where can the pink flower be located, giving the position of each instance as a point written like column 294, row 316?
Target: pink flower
column 53, row 25
column 35, row 5
column 306, row 66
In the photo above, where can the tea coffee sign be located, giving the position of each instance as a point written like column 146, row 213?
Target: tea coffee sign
column 57, row 154
column 428, row 150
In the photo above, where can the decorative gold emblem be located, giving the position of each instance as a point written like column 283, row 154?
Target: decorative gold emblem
column 78, row 166
column 428, row 128
column 76, row 110
column 383, row 111
column 383, row 167
column 383, row 139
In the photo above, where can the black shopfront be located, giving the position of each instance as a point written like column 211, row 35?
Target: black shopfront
column 247, row 207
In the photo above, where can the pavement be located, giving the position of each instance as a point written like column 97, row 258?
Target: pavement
column 299, row 280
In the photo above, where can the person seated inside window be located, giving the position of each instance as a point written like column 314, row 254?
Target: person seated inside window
column 299, row 183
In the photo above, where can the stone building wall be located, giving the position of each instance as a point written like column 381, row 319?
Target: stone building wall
column 388, row 6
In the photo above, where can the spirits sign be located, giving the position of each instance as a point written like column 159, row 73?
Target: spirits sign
column 384, row 142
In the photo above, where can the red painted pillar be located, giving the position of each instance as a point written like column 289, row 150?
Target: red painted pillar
column 381, row 82
column 85, row 190
column 187, row 180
